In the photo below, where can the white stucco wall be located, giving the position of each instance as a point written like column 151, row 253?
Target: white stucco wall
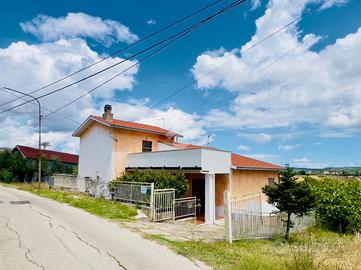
column 164, row 147
column 216, row 161
column 212, row 161
column 95, row 154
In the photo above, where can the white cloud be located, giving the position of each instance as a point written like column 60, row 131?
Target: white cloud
column 318, row 88
column 13, row 133
column 301, row 160
column 27, row 67
column 151, row 22
column 75, row 25
column 255, row 4
column 189, row 125
column 256, row 137
column 306, row 163
column 335, row 134
column 264, row 157
column 243, row 147
column 288, row 147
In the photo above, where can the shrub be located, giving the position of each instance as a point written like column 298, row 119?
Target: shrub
column 6, row 176
column 161, row 179
column 13, row 167
column 338, row 204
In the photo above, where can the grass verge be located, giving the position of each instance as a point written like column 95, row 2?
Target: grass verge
column 97, row 206
column 313, row 249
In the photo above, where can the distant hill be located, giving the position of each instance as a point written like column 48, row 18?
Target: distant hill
column 347, row 171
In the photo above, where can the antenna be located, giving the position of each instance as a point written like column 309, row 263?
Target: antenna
column 45, row 144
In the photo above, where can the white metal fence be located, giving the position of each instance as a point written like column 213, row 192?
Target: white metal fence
column 251, row 217
column 163, row 205
column 250, row 202
column 134, row 192
column 162, row 202
column 185, row 207
column 254, row 225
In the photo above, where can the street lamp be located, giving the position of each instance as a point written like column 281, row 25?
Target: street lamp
column 40, row 116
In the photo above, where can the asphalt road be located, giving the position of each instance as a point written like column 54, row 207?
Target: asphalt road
column 38, row 233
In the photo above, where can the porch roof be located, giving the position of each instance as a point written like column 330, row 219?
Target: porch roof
column 238, row 162
column 201, row 160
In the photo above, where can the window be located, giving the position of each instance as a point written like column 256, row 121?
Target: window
column 271, row 181
column 146, row 146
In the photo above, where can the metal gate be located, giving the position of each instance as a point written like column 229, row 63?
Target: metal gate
column 163, row 204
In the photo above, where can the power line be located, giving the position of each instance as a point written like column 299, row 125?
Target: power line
column 194, row 81
column 44, row 108
column 115, row 76
column 234, row 57
column 123, row 49
column 170, row 40
column 281, row 57
column 186, row 31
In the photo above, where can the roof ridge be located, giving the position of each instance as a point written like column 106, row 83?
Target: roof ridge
column 47, row 150
column 258, row 163
column 163, row 130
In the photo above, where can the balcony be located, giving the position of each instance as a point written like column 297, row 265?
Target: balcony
column 201, row 160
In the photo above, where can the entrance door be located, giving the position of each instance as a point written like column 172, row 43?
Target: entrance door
column 198, row 186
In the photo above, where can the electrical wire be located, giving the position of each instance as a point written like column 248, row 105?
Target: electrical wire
column 170, row 39
column 123, row 49
column 42, row 107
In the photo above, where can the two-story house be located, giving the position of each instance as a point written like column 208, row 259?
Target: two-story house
column 109, row 147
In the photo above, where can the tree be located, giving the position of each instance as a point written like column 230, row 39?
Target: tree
column 13, row 167
column 290, row 196
column 57, row 166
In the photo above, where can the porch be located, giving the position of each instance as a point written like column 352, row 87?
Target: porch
column 207, row 172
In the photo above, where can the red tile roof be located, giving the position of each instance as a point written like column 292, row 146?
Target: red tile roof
column 186, row 145
column 246, row 162
column 137, row 126
column 32, row 153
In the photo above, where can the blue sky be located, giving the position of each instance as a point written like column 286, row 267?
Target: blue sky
column 303, row 109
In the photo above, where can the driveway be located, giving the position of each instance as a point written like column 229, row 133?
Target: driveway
column 38, row 233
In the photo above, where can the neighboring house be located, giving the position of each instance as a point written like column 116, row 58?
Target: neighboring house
column 108, row 147
column 70, row 161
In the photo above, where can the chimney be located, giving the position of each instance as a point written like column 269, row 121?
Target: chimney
column 107, row 115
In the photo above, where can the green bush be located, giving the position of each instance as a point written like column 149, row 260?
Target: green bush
column 338, row 204
column 161, row 179
column 13, row 167
column 6, row 176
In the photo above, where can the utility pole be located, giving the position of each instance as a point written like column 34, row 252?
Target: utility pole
column 39, row 127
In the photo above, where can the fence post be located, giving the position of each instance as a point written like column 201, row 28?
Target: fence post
column 152, row 201
column 227, row 215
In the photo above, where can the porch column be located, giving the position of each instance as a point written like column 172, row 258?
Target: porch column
column 210, row 201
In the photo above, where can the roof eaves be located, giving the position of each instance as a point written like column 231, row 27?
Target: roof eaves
column 171, row 134
column 21, row 152
column 257, row 168
column 79, row 131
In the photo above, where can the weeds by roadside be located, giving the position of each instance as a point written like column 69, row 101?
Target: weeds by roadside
column 97, row 206
column 313, row 249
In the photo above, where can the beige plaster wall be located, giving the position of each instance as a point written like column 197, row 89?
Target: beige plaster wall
column 247, row 181
column 127, row 141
